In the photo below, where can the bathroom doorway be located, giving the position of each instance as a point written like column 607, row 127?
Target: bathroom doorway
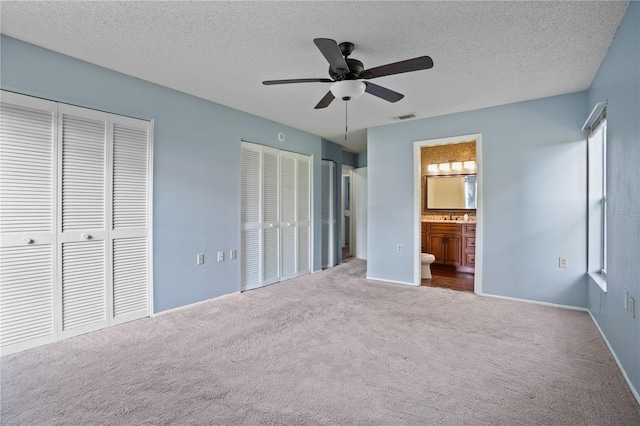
column 448, row 213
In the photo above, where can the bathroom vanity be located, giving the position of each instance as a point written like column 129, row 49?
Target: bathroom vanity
column 453, row 243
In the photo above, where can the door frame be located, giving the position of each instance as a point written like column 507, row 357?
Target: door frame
column 417, row 203
column 346, row 173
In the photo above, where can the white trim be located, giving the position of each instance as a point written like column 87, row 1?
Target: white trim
column 595, row 112
column 150, row 218
column 535, row 302
column 599, row 280
column 477, row 137
column 190, row 305
column 634, row 391
column 392, row 281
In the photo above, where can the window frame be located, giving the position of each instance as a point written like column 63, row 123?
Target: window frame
column 597, row 270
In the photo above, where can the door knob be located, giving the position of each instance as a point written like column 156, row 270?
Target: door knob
column 27, row 240
column 85, row 236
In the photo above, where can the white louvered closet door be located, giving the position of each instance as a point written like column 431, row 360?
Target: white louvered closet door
column 303, row 202
column 27, row 222
column 288, row 219
column 270, row 215
column 82, row 235
column 250, row 216
column 129, row 232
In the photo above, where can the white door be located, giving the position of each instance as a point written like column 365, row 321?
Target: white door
column 275, row 215
column 250, row 216
column 303, row 201
column 74, row 226
column 28, row 293
column 129, row 222
column 82, row 235
column 328, row 214
column 288, row 219
column 270, row 215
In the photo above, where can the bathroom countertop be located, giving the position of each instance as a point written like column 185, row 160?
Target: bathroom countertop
column 448, row 221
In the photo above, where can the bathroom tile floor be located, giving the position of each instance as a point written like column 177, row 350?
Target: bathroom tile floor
column 450, row 279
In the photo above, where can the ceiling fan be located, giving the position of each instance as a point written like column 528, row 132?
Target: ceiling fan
column 346, row 74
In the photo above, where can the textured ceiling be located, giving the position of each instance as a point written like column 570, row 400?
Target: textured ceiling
column 485, row 53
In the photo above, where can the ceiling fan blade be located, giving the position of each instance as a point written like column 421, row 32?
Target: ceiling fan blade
column 383, row 92
column 415, row 64
column 324, row 102
column 298, row 80
column 332, row 54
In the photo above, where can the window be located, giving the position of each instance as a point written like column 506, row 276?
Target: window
column 597, row 196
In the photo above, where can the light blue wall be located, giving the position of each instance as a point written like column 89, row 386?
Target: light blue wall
column 349, row 159
column 618, row 82
column 196, row 174
column 333, row 152
column 361, row 160
column 534, row 195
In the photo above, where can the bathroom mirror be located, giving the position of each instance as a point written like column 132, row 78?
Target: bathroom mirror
column 450, row 192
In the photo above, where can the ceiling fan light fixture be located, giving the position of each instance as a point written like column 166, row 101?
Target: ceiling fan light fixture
column 348, row 89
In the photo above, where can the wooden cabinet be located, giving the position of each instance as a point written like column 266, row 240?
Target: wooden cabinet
column 469, row 248
column 424, row 238
column 452, row 244
column 444, row 241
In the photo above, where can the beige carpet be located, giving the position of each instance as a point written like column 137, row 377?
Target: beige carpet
column 332, row 349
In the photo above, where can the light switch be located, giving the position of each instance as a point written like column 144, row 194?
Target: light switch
column 232, row 255
column 220, row 256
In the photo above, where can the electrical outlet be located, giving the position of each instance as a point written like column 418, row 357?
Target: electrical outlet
column 632, row 307
column 200, row 259
column 625, row 300
column 399, row 248
column 232, row 255
column 220, row 256
column 563, row 263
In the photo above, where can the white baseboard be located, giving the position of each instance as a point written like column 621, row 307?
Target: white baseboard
column 391, row 281
column 179, row 308
column 536, row 302
column 634, row 391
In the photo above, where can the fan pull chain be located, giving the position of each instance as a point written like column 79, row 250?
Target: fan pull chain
column 346, row 128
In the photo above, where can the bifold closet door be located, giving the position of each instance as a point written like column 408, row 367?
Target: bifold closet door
column 288, row 221
column 82, row 239
column 250, row 216
column 28, row 293
column 275, row 215
column 295, row 210
column 74, row 220
column 129, row 222
column 303, row 224
column 271, row 258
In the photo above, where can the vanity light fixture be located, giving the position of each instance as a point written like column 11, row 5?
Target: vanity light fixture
column 452, row 166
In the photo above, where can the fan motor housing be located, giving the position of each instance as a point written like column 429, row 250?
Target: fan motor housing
column 355, row 68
